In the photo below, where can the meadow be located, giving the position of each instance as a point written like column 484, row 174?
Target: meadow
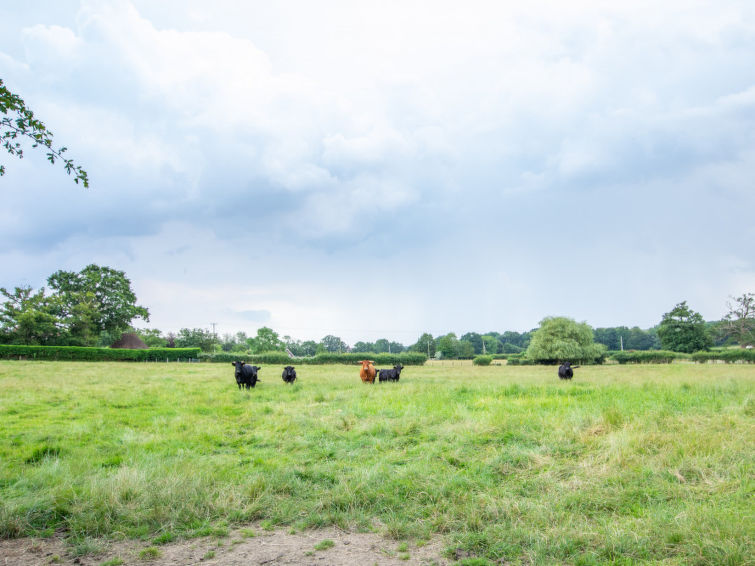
column 624, row 465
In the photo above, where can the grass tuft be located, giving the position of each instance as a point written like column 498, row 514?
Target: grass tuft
column 150, row 553
column 324, row 544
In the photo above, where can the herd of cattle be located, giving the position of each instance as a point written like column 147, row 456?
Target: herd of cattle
column 247, row 376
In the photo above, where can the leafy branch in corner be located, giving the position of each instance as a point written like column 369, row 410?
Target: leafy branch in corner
column 18, row 122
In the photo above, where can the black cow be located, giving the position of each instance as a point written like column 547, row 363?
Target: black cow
column 289, row 374
column 246, row 375
column 390, row 374
column 565, row 371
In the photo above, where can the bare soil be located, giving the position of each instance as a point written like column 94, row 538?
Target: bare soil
column 264, row 547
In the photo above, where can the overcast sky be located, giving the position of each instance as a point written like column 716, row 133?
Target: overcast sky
column 382, row 169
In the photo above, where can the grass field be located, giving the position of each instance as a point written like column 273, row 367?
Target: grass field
column 624, row 465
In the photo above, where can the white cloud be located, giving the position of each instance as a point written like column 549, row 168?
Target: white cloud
column 228, row 142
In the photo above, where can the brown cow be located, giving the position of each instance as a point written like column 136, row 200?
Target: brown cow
column 368, row 371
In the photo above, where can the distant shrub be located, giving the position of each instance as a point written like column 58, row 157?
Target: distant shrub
column 76, row 353
column 482, row 360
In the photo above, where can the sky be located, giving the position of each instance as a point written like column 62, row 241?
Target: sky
column 383, row 169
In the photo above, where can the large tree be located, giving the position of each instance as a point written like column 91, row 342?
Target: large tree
column 27, row 317
column 739, row 322
column 448, row 345
column 561, row 339
column 18, row 124
column 267, row 340
column 683, row 330
column 100, row 295
column 82, row 309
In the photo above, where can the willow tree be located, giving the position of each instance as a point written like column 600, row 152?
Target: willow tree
column 560, row 339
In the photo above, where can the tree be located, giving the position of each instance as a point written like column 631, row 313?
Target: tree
column 396, row 347
column 18, row 122
column 639, row 339
column 333, row 344
column 28, row 318
column 100, row 295
column 363, row 347
column 609, row 337
column 491, row 344
column 475, row 339
column 522, row 340
column 561, row 339
column 299, row 348
column 465, row 349
column 152, row 337
column 307, row 348
column 195, row 338
column 267, row 340
column 509, row 348
column 739, row 322
column 630, row 338
column 448, row 345
column 425, row 344
column 683, row 330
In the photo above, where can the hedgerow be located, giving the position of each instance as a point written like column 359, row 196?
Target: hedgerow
column 519, row 360
column 647, row 357
column 404, row 358
column 482, row 360
column 728, row 356
column 78, row 353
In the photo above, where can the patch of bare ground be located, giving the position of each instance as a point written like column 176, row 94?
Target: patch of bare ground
column 247, row 546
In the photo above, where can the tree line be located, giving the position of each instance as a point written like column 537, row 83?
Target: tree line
column 95, row 306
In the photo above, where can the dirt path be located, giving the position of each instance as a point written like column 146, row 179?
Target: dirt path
column 262, row 547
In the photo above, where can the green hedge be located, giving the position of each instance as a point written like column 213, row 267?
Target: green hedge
column 728, row 356
column 385, row 360
column 647, row 357
column 482, row 360
column 77, row 353
column 519, row 360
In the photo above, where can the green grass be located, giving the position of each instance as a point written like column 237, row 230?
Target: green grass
column 624, row 465
column 325, row 544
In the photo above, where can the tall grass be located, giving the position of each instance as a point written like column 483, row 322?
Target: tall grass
column 625, row 464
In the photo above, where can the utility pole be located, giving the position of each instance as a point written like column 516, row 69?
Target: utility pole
column 621, row 339
column 214, row 336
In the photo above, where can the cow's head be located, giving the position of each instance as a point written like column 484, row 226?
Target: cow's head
column 238, row 366
column 398, row 367
column 366, row 363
